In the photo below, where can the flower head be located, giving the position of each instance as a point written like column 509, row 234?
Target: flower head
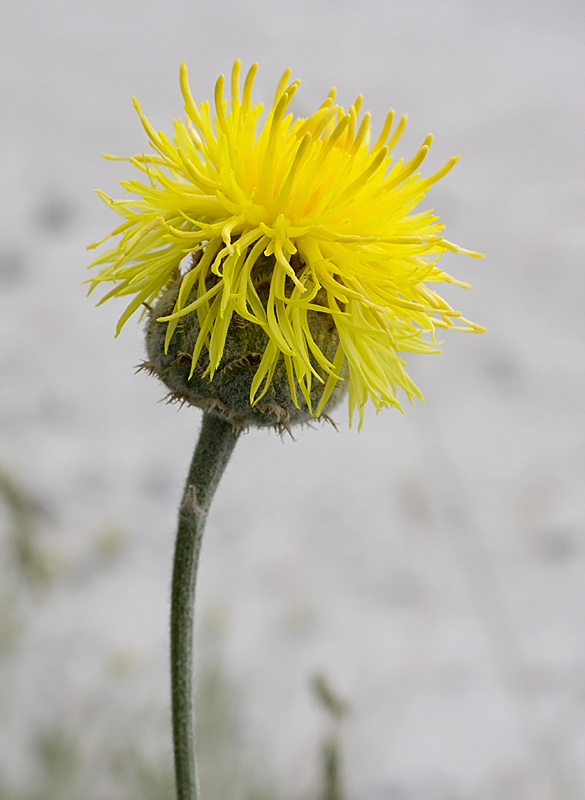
column 286, row 219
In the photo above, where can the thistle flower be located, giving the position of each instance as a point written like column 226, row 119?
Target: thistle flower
column 300, row 229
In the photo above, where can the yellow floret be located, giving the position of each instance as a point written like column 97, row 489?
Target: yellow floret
column 336, row 214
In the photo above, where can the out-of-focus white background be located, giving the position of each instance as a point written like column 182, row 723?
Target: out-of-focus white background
column 431, row 566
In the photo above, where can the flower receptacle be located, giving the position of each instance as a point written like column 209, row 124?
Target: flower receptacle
column 228, row 392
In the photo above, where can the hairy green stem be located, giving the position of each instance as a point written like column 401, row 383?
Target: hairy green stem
column 216, row 442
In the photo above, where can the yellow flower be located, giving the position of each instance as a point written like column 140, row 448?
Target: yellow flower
column 335, row 214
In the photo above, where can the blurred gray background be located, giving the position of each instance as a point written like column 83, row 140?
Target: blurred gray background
column 432, row 566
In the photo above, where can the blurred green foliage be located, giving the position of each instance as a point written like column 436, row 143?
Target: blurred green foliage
column 67, row 758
